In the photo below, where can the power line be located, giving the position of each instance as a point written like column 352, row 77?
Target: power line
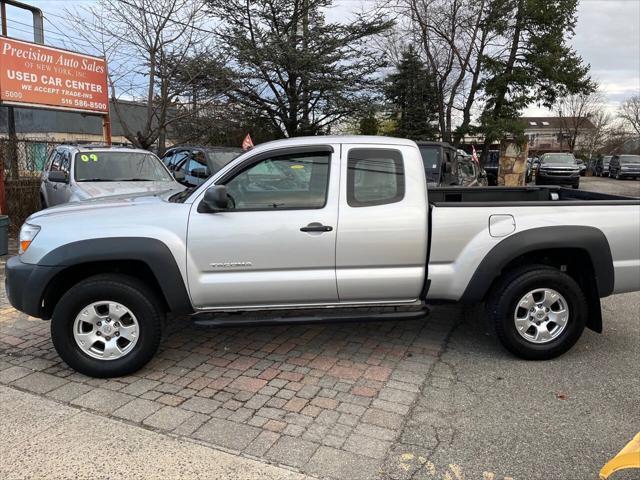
column 144, row 10
column 62, row 36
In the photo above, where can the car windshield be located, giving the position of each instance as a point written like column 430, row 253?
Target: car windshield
column 431, row 159
column 629, row 159
column 219, row 158
column 559, row 158
column 606, row 160
column 107, row 166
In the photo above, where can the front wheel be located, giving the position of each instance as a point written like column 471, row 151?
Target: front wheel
column 107, row 326
column 538, row 312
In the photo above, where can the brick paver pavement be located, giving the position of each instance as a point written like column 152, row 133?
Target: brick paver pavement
column 328, row 399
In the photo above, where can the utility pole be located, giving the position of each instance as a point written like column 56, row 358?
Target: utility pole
column 38, row 37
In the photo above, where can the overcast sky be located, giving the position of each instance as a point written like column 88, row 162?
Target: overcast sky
column 607, row 37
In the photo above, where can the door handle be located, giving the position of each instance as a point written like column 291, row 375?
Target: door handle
column 316, row 227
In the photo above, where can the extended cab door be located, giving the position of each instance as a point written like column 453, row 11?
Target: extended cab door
column 381, row 251
column 276, row 245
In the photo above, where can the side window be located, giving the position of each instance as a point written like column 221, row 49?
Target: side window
column 55, row 163
column 374, row 177
column 179, row 162
column 167, row 159
column 284, row 182
column 65, row 162
column 466, row 169
column 197, row 165
column 49, row 162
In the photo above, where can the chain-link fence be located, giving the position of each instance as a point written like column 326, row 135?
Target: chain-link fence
column 22, row 162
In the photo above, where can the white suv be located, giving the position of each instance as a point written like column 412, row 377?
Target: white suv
column 74, row 173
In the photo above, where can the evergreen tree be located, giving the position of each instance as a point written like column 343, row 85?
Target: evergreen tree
column 538, row 65
column 410, row 92
column 295, row 69
column 369, row 125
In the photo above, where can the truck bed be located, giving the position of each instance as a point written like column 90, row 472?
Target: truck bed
column 508, row 196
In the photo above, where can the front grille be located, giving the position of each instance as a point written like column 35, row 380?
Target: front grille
column 560, row 173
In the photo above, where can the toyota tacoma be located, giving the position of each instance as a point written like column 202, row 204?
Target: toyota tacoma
column 332, row 224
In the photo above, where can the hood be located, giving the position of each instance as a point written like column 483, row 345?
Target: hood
column 110, row 202
column 104, row 189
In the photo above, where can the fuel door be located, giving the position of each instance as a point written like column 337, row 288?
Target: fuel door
column 501, row 225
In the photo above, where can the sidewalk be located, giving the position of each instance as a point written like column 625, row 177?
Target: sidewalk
column 42, row 438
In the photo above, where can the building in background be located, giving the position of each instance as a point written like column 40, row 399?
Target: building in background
column 554, row 134
column 51, row 126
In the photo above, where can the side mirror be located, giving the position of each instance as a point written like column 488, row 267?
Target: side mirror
column 215, row 200
column 58, row 177
column 179, row 176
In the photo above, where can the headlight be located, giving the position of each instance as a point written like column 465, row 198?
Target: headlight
column 27, row 234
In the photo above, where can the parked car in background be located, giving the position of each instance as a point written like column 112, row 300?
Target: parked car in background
column 624, row 166
column 74, row 172
column 192, row 165
column 558, row 169
column 470, row 174
column 491, row 166
column 602, row 166
column 439, row 163
column 448, row 167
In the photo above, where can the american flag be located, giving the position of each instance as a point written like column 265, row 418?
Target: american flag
column 474, row 155
column 247, row 143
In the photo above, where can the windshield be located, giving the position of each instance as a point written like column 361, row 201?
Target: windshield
column 109, row 166
column 559, row 158
column 606, row 160
column 629, row 159
column 219, row 158
column 431, row 159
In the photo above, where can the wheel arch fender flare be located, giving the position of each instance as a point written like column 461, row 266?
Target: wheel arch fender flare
column 152, row 252
column 590, row 239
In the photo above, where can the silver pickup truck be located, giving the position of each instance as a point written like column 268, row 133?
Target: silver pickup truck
column 319, row 223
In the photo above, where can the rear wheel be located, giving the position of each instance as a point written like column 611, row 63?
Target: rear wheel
column 538, row 312
column 107, row 326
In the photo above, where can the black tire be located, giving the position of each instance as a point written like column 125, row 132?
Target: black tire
column 125, row 290
column 575, row 185
column 512, row 287
column 43, row 202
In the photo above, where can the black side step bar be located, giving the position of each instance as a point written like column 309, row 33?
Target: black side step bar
column 288, row 317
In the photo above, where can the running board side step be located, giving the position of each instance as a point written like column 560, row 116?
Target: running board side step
column 285, row 317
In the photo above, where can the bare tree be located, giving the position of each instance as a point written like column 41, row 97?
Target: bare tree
column 630, row 112
column 454, row 36
column 602, row 122
column 576, row 113
column 147, row 42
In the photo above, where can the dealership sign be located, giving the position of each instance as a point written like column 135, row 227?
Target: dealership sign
column 33, row 75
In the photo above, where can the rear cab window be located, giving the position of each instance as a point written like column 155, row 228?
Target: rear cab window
column 374, row 177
